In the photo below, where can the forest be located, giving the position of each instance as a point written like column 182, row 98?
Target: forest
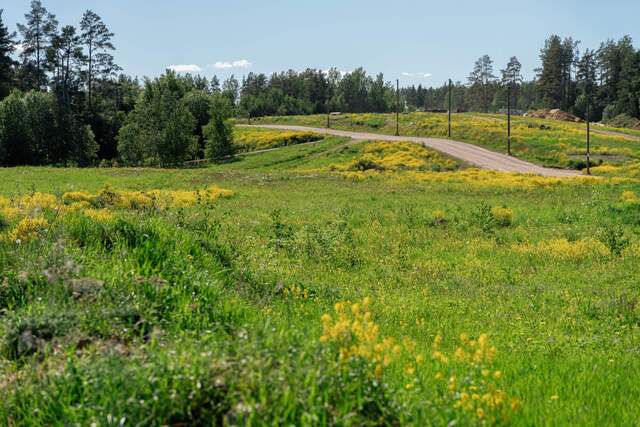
column 65, row 101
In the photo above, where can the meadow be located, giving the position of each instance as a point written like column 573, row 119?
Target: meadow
column 331, row 283
column 546, row 142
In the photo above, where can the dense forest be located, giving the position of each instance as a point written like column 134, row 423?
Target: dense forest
column 65, row 101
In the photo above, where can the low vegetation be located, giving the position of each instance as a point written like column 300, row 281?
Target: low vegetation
column 275, row 289
column 255, row 139
column 546, row 142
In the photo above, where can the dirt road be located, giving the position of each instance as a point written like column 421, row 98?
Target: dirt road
column 471, row 154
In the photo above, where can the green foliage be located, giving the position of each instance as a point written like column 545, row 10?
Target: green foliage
column 35, row 129
column 7, row 41
column 615, row 239
column 482, row 217
column 160, row 128
column 219, row 132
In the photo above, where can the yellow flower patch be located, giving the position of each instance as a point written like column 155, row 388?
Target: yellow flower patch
column 38, row 201
column 503, row 216
column 77, row 196
column 562, row 249
column 100, row 215
column 28, row 229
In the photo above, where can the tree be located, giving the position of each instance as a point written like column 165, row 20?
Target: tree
column 218, row 132
column 570, row 55
column 96, row 38
column 215, row 85
column 7, row 47
column 587, row 76
column 36, row 130
column 230, row 88
column 15, row 145
column 65, row 58
column 482, row 77
column 37, row 32
column 377, row 95
column 198, row 103
column 354, row 90
column 160, row 128
column 618, row 74
column 552, row 73
column 512, row 73
column 512, row 77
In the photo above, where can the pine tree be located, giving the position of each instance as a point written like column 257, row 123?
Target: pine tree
column 482, row 76
column 65, row 58
column 550, row 76
column 37, row 32
column 215, row 84
column 230, row 89
column 218, row 132
column 512, row 76
column 7, row 47
column 96, row 38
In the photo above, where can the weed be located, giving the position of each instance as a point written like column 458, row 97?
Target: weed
column 615, row 239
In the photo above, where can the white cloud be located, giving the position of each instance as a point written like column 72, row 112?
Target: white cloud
column 423, row 75
column 223, row 65
column 185, row 68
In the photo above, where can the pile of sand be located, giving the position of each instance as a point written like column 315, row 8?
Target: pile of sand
column 554, row 114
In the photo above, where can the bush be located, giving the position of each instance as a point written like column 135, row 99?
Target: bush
column 482, row 216
column 365, row 165
column 502, row 216
column 614, row 239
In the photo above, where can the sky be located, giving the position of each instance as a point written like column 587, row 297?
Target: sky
column 419, row 42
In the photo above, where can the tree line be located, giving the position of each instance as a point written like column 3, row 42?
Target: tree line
column 65, row 101
column 608, row 78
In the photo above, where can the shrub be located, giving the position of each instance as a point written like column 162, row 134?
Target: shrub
column 28, row 229
column 365, row 165
column 281, row 234
column 502, row 216
column 482, row 216
column 614, row 239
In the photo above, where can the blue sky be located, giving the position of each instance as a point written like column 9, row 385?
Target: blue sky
column 417, row 41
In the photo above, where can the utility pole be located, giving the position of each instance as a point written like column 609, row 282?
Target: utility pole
column 249, row 117
column 588, row 128
column 450, row 83
column 509, row 118
column 397, row 107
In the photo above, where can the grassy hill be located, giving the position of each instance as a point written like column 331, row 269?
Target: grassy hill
column 546, row 142
column 327, row 283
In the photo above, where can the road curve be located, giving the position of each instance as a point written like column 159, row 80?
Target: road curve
column 472, row 154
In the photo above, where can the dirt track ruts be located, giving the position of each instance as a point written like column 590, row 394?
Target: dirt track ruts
column 474, row 155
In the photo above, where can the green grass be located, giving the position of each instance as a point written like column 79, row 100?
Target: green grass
column 211, row 314
column 546, row 142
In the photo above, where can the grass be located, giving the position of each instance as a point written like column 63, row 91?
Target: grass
column 306, row 295
column 546, row 142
